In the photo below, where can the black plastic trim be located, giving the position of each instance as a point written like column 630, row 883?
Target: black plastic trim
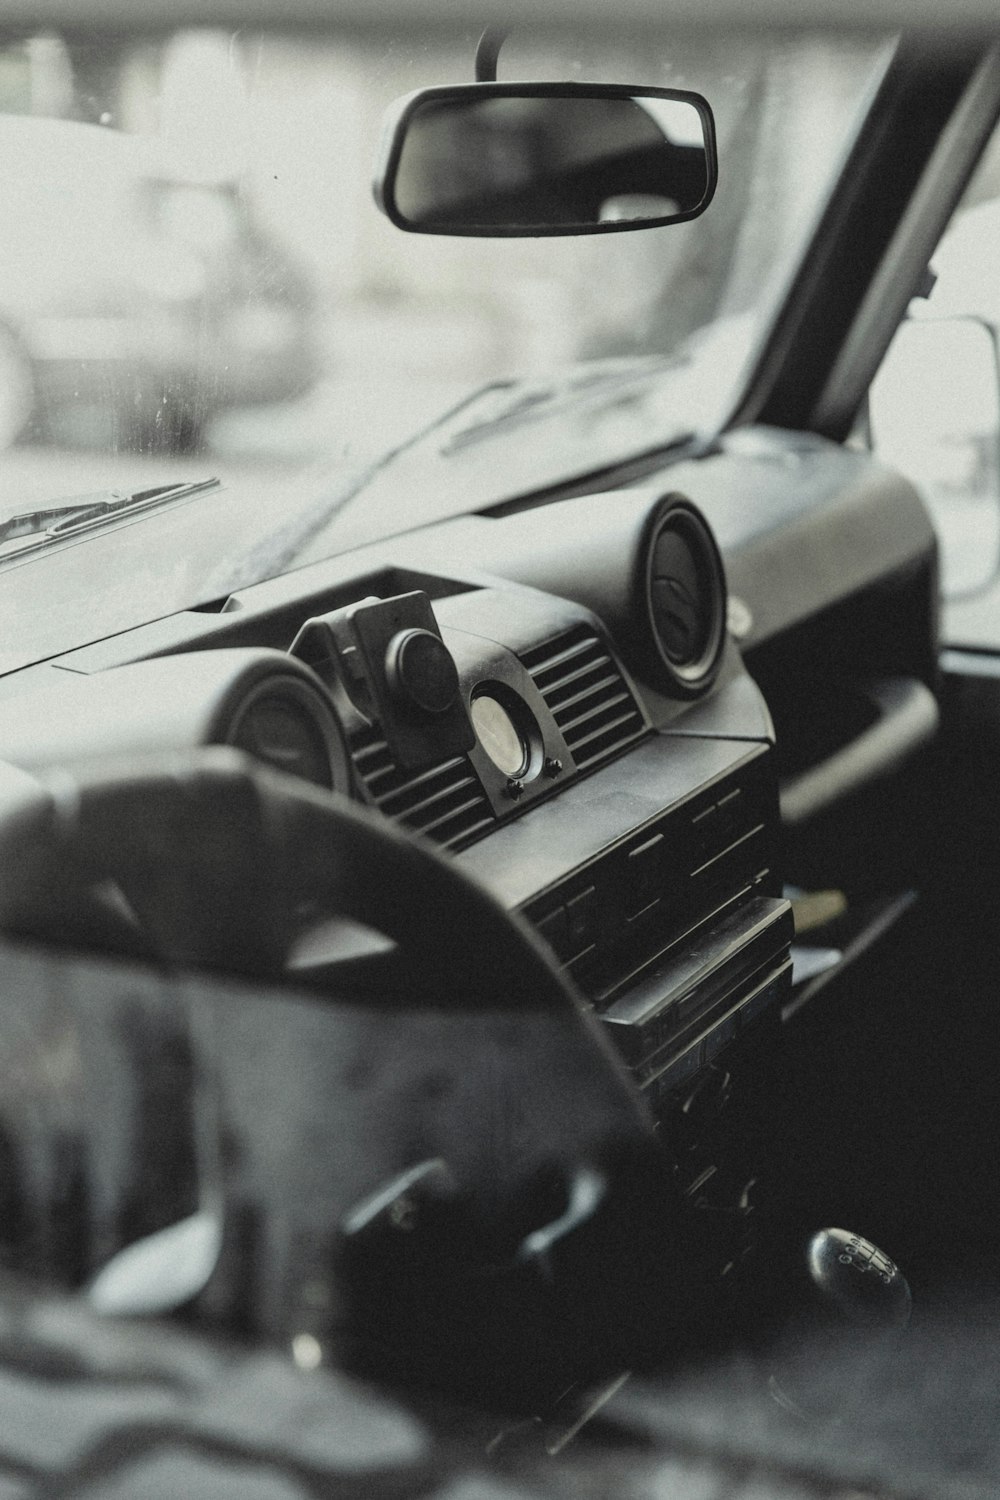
column 921, row 89
column 402, row 111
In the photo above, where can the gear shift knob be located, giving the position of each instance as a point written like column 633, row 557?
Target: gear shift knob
column 851, row 1294
column 855, row 1283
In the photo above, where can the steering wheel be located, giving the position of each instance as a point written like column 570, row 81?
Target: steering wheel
column 213, row 860
column 491, row 1207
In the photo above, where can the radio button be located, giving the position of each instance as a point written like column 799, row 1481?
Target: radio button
column 581, row 919
column 720, row 1036
column 553, row 928
column 674, row 1075
column 644, row 874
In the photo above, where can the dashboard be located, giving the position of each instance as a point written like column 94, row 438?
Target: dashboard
column 567, row 700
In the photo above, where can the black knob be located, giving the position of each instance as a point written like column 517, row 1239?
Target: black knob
column 850, row 1297
column 421, row 671
column 856, row 1283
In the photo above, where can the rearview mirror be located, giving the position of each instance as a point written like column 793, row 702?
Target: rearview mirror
column 510, row 159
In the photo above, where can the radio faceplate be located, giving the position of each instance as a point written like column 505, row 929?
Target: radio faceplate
column 656, row 887
column 701, row 993
column 609, row 918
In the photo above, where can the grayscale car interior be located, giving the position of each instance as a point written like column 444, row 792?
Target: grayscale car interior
column 499, row 728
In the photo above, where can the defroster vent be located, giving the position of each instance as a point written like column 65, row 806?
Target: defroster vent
column 444, row 801
column 589, row 698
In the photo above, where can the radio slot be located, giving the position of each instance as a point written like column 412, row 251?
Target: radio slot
column 692, row 989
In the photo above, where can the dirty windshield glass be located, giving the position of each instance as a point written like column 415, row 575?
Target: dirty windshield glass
column 195, row 282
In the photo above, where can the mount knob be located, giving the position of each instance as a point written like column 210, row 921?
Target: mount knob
column 421, row 672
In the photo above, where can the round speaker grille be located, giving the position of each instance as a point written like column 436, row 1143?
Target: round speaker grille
column 686, row 596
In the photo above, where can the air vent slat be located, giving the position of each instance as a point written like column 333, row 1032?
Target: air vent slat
column 437, row 825
column 597, row 678
column 376, row 781
column 545, row 659
column 444, row 801
column 587, row 695
column 570, row 672
column 586, row 706
column 401, row 803
column 455, row 766
column 626, row 722
column 366, row 745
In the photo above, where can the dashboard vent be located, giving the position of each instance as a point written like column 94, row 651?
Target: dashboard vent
column 445, row 802
column 686, row 597
column 587, row 695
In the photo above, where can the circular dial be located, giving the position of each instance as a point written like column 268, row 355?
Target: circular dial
column 686, row 596
column 499, row 736
column 287, row 724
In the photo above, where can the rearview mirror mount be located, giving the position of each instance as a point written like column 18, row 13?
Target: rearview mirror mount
column 527, row 159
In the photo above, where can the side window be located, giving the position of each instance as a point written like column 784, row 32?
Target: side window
column 934, row 406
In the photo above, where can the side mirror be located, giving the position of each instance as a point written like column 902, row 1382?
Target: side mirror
column 522, row 159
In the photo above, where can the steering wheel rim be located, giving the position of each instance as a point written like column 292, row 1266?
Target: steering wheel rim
column 212, row 860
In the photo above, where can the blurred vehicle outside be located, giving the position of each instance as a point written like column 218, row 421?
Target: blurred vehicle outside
column 135, row 302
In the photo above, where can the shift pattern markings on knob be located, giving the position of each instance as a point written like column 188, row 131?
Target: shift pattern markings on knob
column 855, row 1280
column 865, row 1256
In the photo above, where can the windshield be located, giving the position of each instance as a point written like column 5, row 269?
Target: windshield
column 195, row 282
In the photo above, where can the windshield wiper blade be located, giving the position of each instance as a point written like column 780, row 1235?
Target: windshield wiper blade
column 78, row 513
column 529, row 399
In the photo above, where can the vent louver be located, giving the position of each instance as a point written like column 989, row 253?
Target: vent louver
column 686, row 597
column 445, row 802
column 587, row 695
